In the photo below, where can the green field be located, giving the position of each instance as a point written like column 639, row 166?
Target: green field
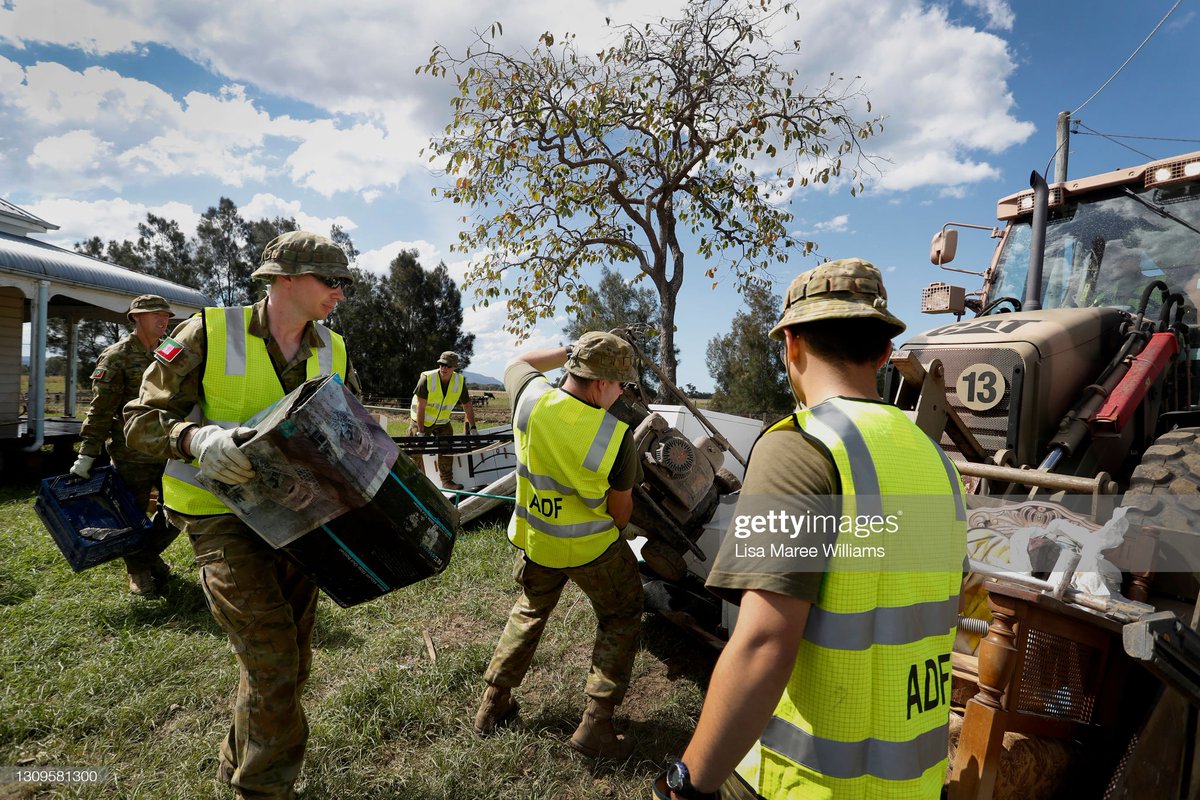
column 92, row 677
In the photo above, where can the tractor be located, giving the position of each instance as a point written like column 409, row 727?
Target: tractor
column 1074, row 373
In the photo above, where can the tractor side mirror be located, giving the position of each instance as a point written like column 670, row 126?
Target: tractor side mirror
column 944, row 246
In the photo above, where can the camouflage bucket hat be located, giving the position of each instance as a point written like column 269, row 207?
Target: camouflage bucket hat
column 848, row 288
column 449, row 358
column 303, row 253
column 602, row 356
column 147, row 304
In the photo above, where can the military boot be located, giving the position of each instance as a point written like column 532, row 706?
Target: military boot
column 161, row 572
column 142, row 583
column 595, row 737
column 497, row 710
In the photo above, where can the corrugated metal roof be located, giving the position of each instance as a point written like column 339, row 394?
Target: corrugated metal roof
column 41, row 260
column 21, row 215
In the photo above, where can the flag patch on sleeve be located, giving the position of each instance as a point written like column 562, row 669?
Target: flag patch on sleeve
column 99, row 374
column 168, row 351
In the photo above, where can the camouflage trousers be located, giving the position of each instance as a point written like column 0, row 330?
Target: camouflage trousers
column 268, row 610
column 445, row 462
column 613, row 585
column 142, row 477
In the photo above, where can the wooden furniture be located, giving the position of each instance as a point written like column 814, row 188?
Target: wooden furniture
column 1045, row 668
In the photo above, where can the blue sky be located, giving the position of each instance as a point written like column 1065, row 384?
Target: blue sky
column 110, row 109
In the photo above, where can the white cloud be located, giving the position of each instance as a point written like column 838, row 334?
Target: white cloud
column 77, row 151
column 838, row 224
column 11, row 73
column 109, row 219
column 149, row 135
column 268, row 206
column 936, row 168
column 128, row 130
column 998, row 12
column 944, row 102
column 53, row 95
column 1181, row 22
column 380, row 259
column 494, row 348
column 330, row 159
column 74, row 23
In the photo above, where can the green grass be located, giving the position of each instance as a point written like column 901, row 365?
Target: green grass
column 92, row 677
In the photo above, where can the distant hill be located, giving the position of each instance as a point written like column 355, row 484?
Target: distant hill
column 483, row 380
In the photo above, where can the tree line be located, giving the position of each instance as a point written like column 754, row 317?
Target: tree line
column 395, row 324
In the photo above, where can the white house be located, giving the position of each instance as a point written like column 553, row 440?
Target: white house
column 39, row 281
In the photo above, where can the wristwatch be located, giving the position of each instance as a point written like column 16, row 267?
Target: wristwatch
column 679, row 781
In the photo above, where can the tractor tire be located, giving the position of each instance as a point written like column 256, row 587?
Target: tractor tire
column 1164, row 491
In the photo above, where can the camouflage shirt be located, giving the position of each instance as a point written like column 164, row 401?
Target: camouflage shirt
column 156, row 419
column 115, row 381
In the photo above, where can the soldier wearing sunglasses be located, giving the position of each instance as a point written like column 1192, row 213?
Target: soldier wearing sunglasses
column 214, row 372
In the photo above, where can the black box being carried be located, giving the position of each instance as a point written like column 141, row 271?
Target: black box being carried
column 333, row 492
column 92, row 520
column 404, row 535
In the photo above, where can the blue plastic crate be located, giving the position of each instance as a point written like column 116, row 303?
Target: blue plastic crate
column 92, row 520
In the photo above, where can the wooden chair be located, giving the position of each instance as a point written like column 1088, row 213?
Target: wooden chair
column 1045, row 668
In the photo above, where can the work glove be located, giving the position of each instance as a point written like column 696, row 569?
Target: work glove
column 216, row 450
column 471, row 430
column 82, row 468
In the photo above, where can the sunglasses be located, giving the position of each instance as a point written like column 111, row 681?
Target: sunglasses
column 335, row 283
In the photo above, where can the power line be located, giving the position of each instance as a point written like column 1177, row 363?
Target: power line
column 1090, row 132
column 1131, row 55
column 1114, row 141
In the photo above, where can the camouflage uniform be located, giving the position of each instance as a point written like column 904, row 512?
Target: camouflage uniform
column 255, row 593
column 445, row 462
column 613, row 585
column 611, row 582
column 115, row 381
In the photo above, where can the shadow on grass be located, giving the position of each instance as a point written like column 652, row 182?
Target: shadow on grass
column 16, row 590
column 657, row 725
column 332, row 634
column 656, row 740
column 683, row 653
column 491, row 518
column 181, row 607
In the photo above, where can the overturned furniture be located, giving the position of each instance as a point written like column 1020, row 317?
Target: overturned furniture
column 1052, row 703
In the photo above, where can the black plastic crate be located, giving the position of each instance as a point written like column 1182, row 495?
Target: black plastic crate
column 92, row 520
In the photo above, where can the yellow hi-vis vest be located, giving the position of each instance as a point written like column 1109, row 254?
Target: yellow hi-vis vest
column 437, row 405
column 239, row 381
column 866, row 710
column 565, row 450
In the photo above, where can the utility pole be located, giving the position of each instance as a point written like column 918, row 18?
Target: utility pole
column 1062, row 141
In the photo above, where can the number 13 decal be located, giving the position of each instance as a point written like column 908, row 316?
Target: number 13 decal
column 980, row 387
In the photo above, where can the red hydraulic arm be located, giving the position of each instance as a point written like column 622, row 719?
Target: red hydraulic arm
column 1128, row 394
